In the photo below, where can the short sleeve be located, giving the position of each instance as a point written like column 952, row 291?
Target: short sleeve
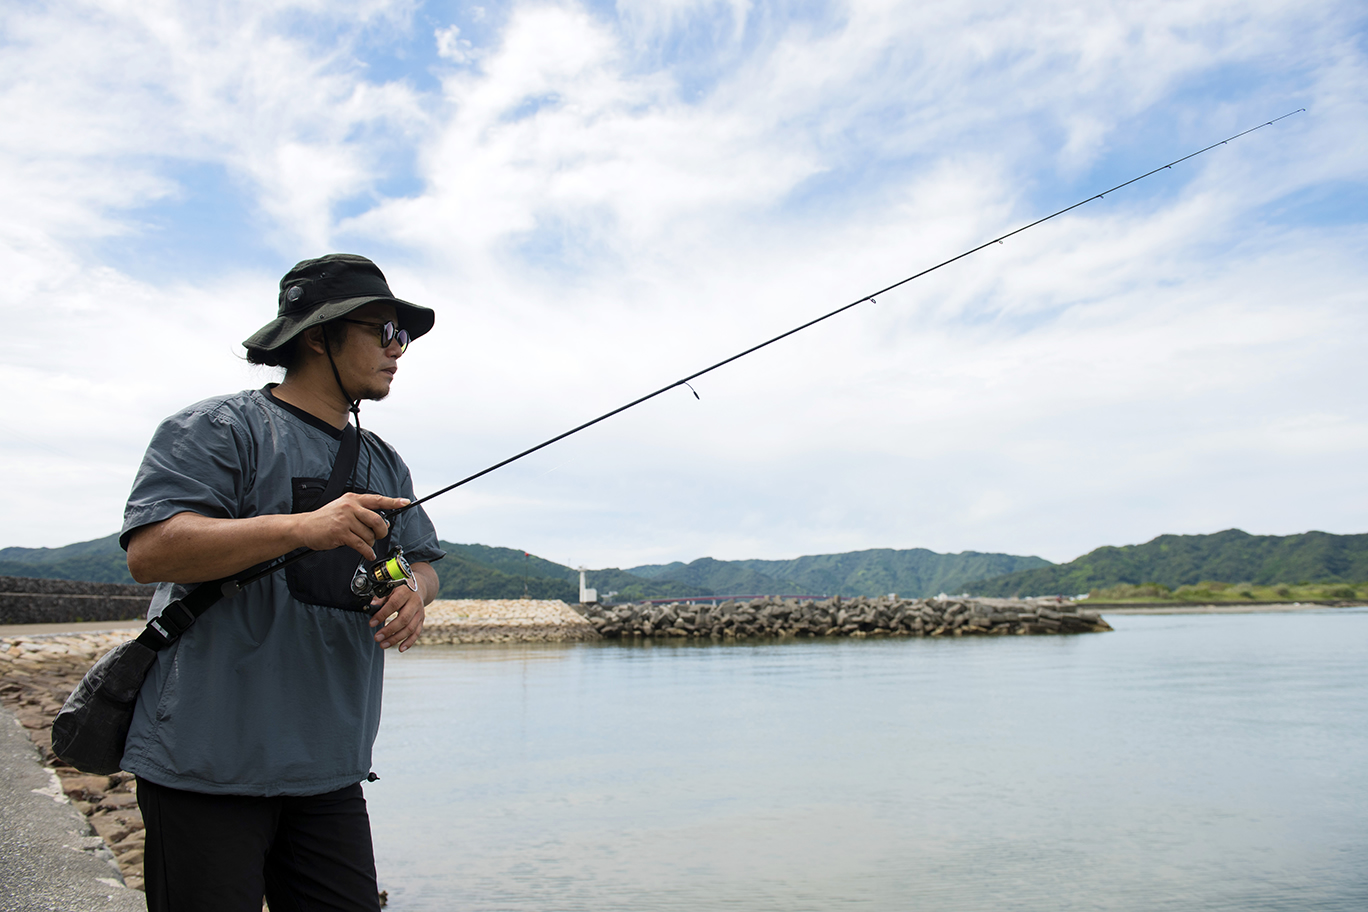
column 198, row 462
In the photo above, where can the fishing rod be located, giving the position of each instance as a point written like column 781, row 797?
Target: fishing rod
column 797, row 329
column 383, row 574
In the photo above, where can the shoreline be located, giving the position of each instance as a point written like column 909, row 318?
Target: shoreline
column 73, row 627
column 1220, row 608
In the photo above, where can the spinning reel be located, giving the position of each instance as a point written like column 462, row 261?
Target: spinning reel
column 377, row 578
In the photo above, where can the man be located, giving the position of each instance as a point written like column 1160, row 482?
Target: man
column 253, row 730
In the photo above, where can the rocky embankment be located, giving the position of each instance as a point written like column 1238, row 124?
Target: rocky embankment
column 856, row 617
column 503, row 621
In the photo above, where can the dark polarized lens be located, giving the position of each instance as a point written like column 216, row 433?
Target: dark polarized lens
column 388, row 334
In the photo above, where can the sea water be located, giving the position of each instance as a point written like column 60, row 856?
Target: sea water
column 1195, row 762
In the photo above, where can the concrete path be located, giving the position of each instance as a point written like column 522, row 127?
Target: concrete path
column 50, row 859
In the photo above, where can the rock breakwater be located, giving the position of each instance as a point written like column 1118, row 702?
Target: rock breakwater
column 855, row 617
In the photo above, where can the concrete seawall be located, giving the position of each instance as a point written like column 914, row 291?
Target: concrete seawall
column 27, row 600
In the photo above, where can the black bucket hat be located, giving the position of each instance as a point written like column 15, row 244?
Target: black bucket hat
column 332, row 286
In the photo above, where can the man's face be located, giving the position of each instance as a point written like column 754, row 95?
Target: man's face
column 367, row 369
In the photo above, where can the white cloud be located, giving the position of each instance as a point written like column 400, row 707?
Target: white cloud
column 114, row 94
column 451, row 46
column 599, row 206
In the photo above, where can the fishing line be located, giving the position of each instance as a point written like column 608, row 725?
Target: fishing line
column 389, row 514
column 377, row 567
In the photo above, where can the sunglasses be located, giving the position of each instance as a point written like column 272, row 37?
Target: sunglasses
column 388, row 333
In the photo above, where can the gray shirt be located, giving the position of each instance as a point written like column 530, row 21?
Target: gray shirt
column 264, row 694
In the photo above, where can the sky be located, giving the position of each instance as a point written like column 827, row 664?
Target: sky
column 599, row 199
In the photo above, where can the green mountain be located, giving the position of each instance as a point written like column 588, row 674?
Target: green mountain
column 482, row 571
column 651, row 571
column 511, row 561
column 97, row 561
column 912, row 573
column 728, row 578
column 468, row 571
column 461, row 577
column 1232, row 556
column 630, row 587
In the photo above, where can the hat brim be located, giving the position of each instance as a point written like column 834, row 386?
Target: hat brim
column 413, row 318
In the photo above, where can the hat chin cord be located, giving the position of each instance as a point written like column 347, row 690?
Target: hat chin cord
column 354, row 405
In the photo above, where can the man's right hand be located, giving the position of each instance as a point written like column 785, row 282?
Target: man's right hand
column 351, row 521
column 190, row 548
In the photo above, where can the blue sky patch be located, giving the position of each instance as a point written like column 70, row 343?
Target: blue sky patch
column 1332, row 204
column 210, row 221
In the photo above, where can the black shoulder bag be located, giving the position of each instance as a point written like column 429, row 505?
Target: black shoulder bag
column 92, row 726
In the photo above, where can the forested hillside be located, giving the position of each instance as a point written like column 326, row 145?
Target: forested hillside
column 912, row 573
column 483, row 571
column 1232, row 556
column 98, row 561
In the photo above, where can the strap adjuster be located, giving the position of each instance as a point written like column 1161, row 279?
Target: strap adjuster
column 174, row 620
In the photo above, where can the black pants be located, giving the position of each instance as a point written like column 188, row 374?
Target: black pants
column 222, row 853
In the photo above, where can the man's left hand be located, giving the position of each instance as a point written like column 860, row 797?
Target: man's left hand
column 399, row 615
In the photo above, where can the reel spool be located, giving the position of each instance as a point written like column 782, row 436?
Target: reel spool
column 377, row 578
